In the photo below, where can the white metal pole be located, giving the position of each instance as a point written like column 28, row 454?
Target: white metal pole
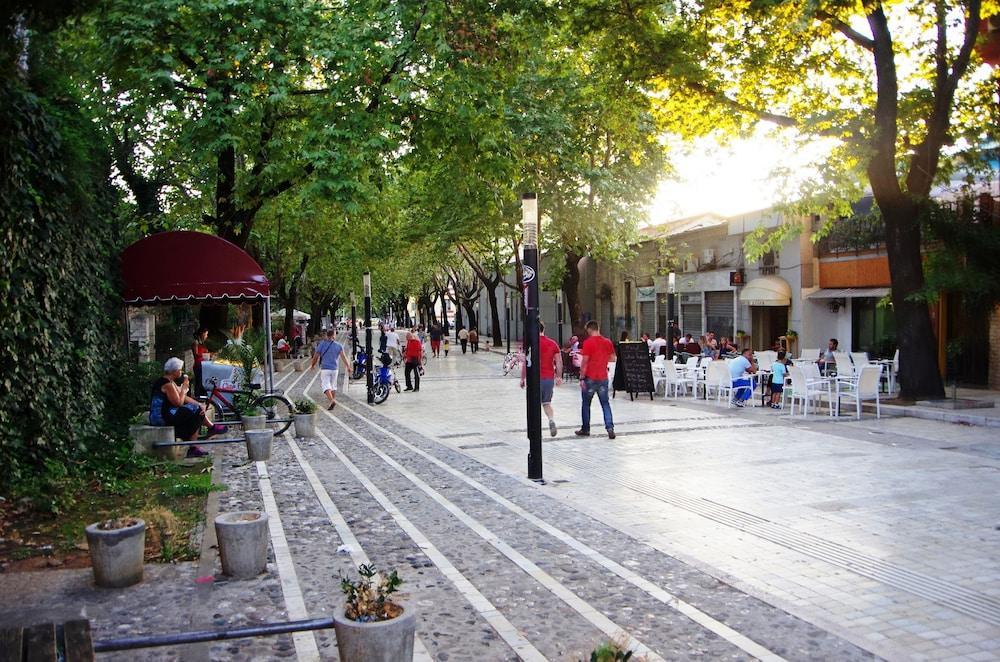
column 268, row 357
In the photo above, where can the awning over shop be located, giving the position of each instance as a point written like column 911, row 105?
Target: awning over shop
column 767, row 291
column 848, row 293
column 185, row 267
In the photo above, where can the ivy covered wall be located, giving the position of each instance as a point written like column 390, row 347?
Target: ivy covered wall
column 58, row 312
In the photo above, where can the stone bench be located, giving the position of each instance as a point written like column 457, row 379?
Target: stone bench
column 70, row 641
column 144, row 436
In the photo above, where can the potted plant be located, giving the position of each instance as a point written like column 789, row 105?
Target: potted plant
column 116, row 551
column 253, row 418
column 305, row 418
column 369, row 625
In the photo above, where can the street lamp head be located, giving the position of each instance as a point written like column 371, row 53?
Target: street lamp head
column 529, row 220
column 354, row 299
column 559, row 296
column 366, row 278
column 672, row 283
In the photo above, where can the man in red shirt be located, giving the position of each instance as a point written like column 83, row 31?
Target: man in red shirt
column 596, row 352
column 550, row 369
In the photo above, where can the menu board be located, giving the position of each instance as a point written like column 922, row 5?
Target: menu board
column 634, row 372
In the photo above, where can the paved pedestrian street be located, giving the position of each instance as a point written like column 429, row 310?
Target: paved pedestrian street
column 699, row 533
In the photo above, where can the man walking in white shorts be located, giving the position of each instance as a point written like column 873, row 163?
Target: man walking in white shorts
column 327, row 354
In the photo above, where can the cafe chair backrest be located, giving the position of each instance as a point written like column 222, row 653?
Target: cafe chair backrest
column 844, row 366
column 811, row 354
column 692, row 363
column 868, row 381
column 811, row 371
column 860, row 359
column 718, row 374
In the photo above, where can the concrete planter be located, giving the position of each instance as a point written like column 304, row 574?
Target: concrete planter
column 242, row 543
column 301, row 365
column 382, row 641
column 305, row 425
column 144, row 436
column 259, row 444
column 254, row 422
column 116, row 554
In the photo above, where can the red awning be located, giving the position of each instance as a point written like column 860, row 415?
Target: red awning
column 188, row 267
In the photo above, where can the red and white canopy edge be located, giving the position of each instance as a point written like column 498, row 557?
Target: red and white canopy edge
column 184, row 267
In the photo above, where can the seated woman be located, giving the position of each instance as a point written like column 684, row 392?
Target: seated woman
column 170, row 404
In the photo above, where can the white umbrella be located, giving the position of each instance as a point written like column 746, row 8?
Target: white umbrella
column 297, row 315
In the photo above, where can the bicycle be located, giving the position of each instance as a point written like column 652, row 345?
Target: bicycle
column 511, row 362
column 277, row 409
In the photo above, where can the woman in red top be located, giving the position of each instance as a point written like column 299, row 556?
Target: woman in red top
column 411, row 356
column 200, row 352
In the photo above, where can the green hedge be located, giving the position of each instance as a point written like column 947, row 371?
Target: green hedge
column 59, row 321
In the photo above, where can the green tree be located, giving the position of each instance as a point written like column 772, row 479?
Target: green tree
column 893, row 83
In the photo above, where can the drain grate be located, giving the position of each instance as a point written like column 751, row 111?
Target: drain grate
column 491, row 444
column 941, row 592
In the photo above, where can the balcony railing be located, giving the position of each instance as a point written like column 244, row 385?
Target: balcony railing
column 854, row 235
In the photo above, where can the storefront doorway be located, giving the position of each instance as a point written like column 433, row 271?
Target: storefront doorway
column 766, row 324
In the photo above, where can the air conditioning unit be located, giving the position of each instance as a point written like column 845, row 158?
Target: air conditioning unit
column 708, row 256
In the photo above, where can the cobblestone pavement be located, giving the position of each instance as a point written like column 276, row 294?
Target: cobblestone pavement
column 698, row 533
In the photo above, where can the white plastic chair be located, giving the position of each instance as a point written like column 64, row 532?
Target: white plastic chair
column 676, row 379
column 659, row 373
column 805, row 390
column 864, row 388
column 860, row 360
column 720, row 380
column 809, row 354
column 845, row 369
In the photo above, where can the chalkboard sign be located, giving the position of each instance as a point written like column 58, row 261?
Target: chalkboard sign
column 634, row 372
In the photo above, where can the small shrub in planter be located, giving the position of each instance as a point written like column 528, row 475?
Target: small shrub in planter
column 370, row 626
column 305, row 418
column 610, row 651
column 253, row 418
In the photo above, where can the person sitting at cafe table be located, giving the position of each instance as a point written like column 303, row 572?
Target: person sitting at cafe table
column 826, row 359
column 742, row 386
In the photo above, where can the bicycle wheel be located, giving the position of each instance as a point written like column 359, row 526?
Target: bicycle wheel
column 381, row 391
column 278, row 411
column 221, row 413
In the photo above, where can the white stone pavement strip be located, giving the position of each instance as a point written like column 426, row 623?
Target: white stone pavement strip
column 695, row 614
column 597, row 619
column 357, row 552
column 305, row 642
column 956, row 597
column 479, row 602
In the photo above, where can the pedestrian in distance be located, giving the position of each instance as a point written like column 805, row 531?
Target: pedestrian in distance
column 329, row 354
column 445, row 345
column 474, row 340
column 463, row 338
column 595, row 353
column 550, row 373
column 412, row 356
column 436, row 334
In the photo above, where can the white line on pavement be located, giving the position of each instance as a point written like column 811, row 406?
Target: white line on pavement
column 692, row 612
column 305, row 642
column 358, row 555
column 504, row 628
column 578, row 604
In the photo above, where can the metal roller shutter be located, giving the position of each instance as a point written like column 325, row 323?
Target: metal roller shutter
column 719, row 313
column 647, row 317
column 691, row 319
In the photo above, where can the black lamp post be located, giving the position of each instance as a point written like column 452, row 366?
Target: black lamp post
column 559, row 314
column 354, row 326
column 367, row 279
column 529, row 214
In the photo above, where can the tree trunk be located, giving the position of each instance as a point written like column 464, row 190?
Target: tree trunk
column 470, row 313
column 919, row 376
column 571, row 289
column 494, row 313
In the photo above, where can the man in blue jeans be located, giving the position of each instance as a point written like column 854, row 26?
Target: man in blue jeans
column 595, row 353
